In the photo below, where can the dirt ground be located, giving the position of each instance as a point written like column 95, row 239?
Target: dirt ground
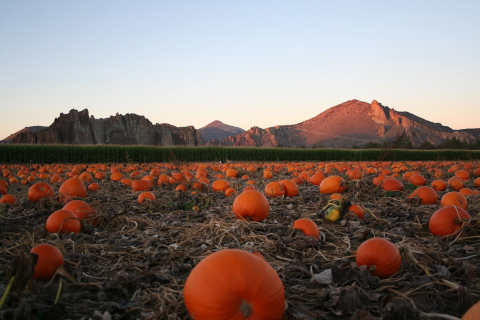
column 134, row 263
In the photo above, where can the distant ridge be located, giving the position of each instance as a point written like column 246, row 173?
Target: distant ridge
column 218, row 130
column 32, row 129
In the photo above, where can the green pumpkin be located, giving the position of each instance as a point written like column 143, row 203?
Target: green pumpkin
column 334, row 213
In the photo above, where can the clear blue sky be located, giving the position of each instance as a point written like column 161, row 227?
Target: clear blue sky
column 244, row 63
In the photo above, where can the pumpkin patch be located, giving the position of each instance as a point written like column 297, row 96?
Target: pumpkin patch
column 246, row 240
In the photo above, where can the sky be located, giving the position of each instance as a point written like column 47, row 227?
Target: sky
column 245, row 63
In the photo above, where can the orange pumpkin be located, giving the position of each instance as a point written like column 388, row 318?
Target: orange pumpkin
column 427, row 195
column 439, row 185
column 40, row 190
column 230, row 191
column 82, row 210
column 382, row 254
column 391, row 184
column 145, row 196
column 462, row 174
column 317, row 178
column 290, row 187
column 93, row 187
column 274, row 189
column 308, row 227
column 418, row 180
column 472, row 313
column 116, row 176
column 455, row 183
column 141, row 185
column 64, row 219
column 49, row 259
column 231, row 173
column 234, row 284
column 447, row 220
column 454, row 198
column 333, row 184
column 355, row 208
column 8, row 198
column 252, row 205
column 73, row 187
column 220, row 185
column 181, row 187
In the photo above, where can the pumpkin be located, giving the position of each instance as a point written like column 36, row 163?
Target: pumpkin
column 181, row 187
column 40, row 190
column 439, row 185
column 127, row 181
column 178, row 177
column 230, row 191
column 8, row 198
column 427, row 195
column 267, row 174
column 476, row 183
column 234, row 284
column 308, row 227
column 3, row 190
column 472, row 313
column 145, row 196
column 333, row 184
column 252, row 205
column 382, row 254
column 447, row 220
column 290, row 187
column 93, row 187
column 66, row 219
column 391, row 184
column 274, row 189
column 317, row 178
column 355, row 208
column 334, row 213
column 116, row 176
column 454, row 198
column 163, row 179
column 250, row 187
column 3, row 183
column 336, row 196
column 231, row 173
column 49, row 259
column 86, row 177
column 220, row 185
column 141, row 185
column 73, row 187
column 455, row 183
column 82, row 210
column 462, row 174
column 418, row 180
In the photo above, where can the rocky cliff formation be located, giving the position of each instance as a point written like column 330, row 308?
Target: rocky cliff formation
column 218, row 130
column 350, row 123
column 26, row 129
column 130, row 129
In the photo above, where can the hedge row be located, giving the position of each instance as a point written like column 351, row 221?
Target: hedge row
column 20, row 153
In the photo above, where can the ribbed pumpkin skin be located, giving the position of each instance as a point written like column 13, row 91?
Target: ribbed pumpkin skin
column 454, row 198
column 251, row 204
column 427, row 195
column 391, row 184
column 274, row 189
column 444, row 221
column 141, row 185
column 381, row 253
column 220, row 185
column 473, row 313
column 40, row 190
column 333, row 184
column 217, row 286
column 82, row 210
column 56, row 219
column 145, row 196
column 308, row 227
column 291, row 188
column 355, row 208
column 49, row 259
column 317, row 178
column 73, row 187
column 418, row 180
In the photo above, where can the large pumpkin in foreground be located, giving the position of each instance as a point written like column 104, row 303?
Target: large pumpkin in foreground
column 234, row 284
column 382, row 254
column 251, row 205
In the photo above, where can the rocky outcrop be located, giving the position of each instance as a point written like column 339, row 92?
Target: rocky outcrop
column 218, row 130
column 77, row 127
column 350, row 123
column 32, row 129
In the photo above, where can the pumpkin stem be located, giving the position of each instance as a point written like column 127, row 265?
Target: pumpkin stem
column 245, row 309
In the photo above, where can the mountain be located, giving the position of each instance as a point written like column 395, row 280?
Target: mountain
column 218, row 130
column 77, row 127
column 350, row 123
column 32, row 129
